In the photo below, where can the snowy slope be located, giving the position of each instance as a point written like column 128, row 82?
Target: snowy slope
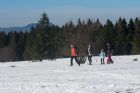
column 58, row 77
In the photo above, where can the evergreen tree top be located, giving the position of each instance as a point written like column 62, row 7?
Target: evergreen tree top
column 44, row 20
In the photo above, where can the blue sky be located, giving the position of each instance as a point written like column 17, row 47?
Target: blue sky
column 22, row 12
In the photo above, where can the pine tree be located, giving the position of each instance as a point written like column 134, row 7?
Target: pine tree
column 44, row 20
column 136, row 42
column 1, row 40
column 96, row 35
column 20, row 46
column 12, row 45
column 45, row 38
column 108, row 34
column 31, row 52
column 130, row 34
column 120, row 40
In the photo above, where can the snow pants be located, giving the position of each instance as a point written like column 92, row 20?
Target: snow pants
column 74, row 57
column 102, row 61
column 90, row 59
column 109, row 60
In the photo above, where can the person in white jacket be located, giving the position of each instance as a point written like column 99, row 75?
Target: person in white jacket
column 102, row 55
column 90, row 54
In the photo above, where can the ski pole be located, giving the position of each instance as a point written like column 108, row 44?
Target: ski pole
column 95, row 59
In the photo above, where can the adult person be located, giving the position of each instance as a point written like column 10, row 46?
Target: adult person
column 74, row 55
column 90, row 54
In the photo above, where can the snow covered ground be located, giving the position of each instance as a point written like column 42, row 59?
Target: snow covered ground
column 58, row 77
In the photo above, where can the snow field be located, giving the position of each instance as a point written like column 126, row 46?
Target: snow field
column 58, row 77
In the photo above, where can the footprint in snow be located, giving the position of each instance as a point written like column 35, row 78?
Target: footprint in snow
column 43, row 86
column 12, row 66
column 129, row 91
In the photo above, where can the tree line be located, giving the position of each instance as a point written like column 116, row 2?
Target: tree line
column 49, row 41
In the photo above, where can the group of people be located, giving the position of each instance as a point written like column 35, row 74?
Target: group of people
column 102, row 54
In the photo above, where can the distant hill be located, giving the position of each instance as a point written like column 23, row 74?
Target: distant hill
column 18, row 29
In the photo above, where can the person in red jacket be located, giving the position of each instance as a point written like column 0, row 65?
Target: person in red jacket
column 74, row 55
column 109, row 59
column 109, row 54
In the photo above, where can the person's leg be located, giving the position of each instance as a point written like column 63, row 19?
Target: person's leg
column 103, row 61
column 108, row 60
column 90, row 60
column 111, row 61
column 71, row 61
column 77, row 61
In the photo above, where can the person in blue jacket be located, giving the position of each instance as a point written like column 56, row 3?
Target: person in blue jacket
column 102, row 55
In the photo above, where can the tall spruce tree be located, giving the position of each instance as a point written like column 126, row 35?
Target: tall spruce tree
column 13, row 44
column 108, row 34
column 120, row 40
column 130, row 34
column 46, row 37
column 136, row 42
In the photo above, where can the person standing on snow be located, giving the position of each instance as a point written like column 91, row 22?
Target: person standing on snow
column 109, row 59
column 89, row 54
column 102, row 55
column 74, row 55
column 109, row 54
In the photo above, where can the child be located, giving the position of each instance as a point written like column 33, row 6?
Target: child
column 109, row 59
column 102, row 55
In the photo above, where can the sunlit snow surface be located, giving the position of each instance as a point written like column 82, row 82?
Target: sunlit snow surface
column 58, row 77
